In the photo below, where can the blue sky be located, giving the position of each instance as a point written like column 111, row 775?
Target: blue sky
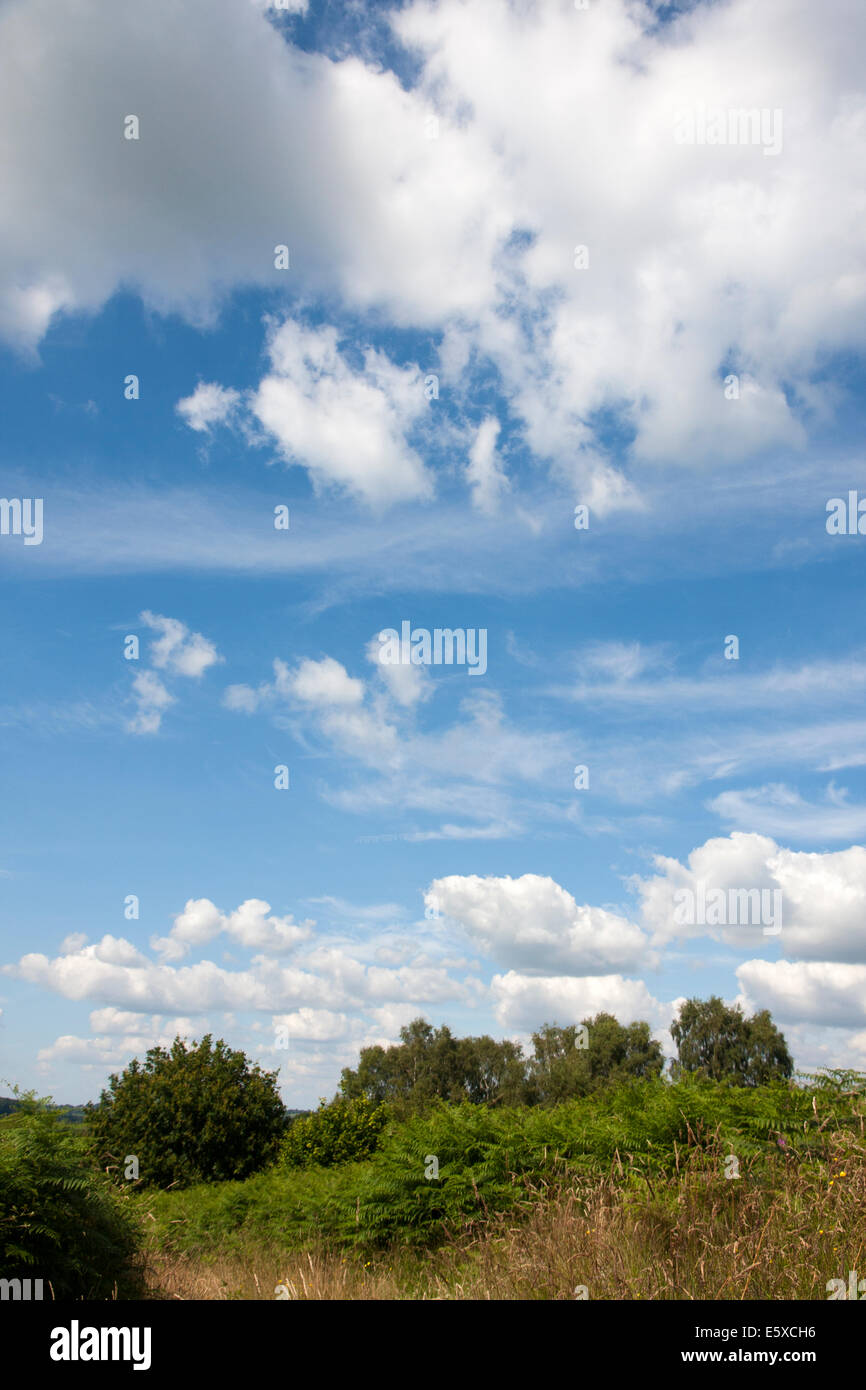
column 431, row 387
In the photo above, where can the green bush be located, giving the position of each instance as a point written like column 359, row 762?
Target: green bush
column 344, row 1131
column 194, row 1114
column 61, row 1220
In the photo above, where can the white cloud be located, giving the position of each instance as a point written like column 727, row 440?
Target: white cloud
column 724, row 684
column 112, row 1020
column 484, row 471
column 621, row 661
column 823, row 896
column 366, row 203
column 73, row 942
column 316, row 1025
column 461, row 769
column 380, row 217
column 210, row 404
column 348, row 428
column 406, row 684
column 250, row 925
column 527, row 1001
column 178, row 650
column 153, row 699
column 325, row 682
column 777, row 809
column 115, row 974
column 825, row 992
column 532, row 923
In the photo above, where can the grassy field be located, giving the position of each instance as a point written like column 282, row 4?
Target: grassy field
column 623, row 1195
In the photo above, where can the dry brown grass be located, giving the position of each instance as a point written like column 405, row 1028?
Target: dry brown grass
column 692, row 1235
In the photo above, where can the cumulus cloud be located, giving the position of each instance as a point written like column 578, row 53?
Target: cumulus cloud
column 348, row 428
column 210, row 404
column 152, row 699
column 822, row 895
column 325, row 682
column 526, row 1001
column 112, row 1020
column 117, row 975
column 368, row 205
column 315, row 1025
column 691, row 250
column 825, row 992
column 533, row 923
column 321, row 685
column 250, row 925
column 177, row 650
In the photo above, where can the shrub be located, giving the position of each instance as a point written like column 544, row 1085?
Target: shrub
column 193, row 1114
column 344, row 1131
column 61, row 1220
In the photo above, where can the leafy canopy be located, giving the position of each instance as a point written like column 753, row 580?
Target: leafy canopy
column 192, row 1114
column 720, row 1043
column 344, row 1131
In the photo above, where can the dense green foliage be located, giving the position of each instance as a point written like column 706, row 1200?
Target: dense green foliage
column 191, row 1114
column 488, row 1158
column 61, row 1220
column 343, row 1132
column 572, row 1061
column 431, row 1064
column 718, row 1042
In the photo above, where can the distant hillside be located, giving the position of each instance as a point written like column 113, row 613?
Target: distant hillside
column 74, row 1113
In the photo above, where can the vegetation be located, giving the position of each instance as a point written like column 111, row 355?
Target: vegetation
column 720, row 1043
column 431, row 1064
column 451, row 1167
column 568, row 1062
column 61, row 1220
column 629, row 1192
column 202, row 1113
column 342, row 1132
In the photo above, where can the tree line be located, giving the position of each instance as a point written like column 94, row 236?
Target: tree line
column 205, row 1113
column 566, row 1062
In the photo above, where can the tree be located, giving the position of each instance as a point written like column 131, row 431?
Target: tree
column 430, row 1063
column 718, row 1042
column 492, row 1073
column 192, row 1114
column 575, row 1060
